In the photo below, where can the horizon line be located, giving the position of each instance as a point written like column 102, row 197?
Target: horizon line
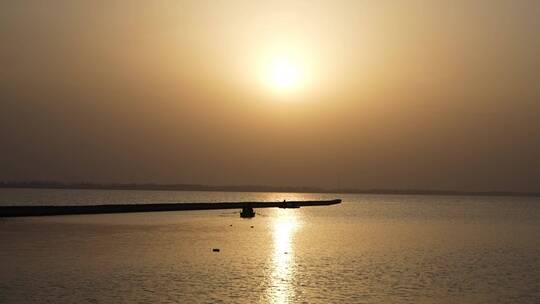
column 149, row 186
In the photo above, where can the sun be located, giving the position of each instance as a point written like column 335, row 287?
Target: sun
column 285, row 71
column 284, row 75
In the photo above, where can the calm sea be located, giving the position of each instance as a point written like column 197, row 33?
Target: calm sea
column 369, row 249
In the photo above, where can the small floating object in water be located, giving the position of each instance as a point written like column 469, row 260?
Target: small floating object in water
column 215, row 250
column 230, row 225
column 251, row 226
column 286, row 252
column 247, row 212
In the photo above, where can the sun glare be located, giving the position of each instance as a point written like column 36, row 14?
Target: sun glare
column 285, row 225
column 284, row 75
column 285, row 69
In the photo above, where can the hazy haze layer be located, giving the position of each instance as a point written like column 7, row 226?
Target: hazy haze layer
column 397, row 94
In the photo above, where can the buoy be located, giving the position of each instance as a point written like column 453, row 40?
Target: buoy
column 215, row 250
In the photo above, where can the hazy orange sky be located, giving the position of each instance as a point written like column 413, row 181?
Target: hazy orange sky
column 387, row 94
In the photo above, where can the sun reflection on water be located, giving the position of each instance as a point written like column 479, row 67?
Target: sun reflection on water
column 284, row 228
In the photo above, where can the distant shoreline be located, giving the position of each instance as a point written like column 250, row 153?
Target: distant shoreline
column 254, row 188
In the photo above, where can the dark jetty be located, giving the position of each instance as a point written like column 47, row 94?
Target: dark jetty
column 247, row 208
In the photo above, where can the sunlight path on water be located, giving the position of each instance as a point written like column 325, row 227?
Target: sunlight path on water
column 284, row 227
